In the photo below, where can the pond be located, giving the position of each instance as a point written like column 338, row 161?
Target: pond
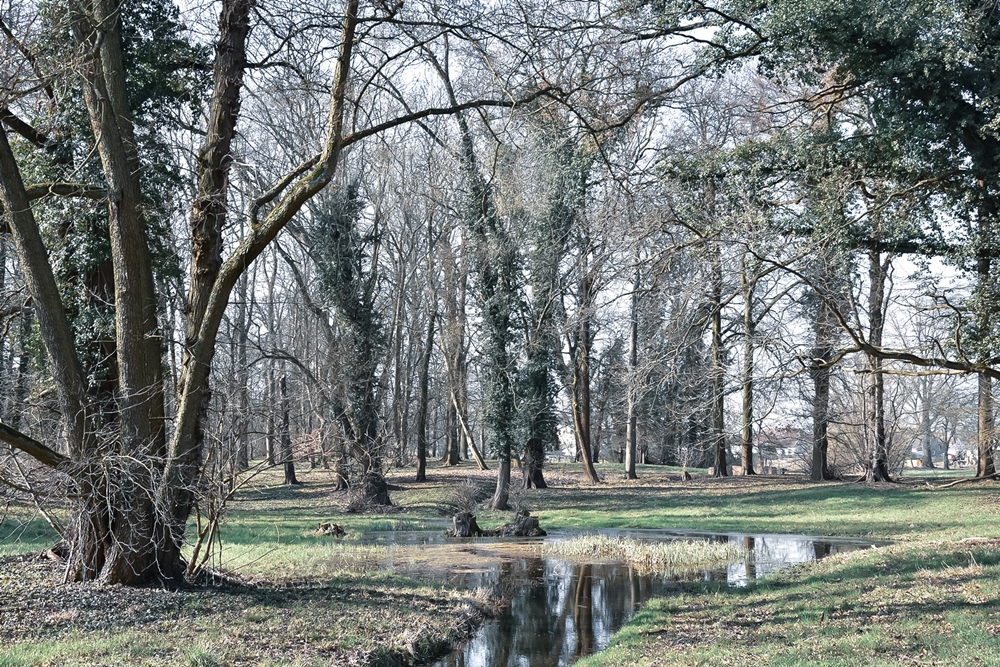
column 560, row 611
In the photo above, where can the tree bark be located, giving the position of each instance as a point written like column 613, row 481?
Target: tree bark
column 502, row 493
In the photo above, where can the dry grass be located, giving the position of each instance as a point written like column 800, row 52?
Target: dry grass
column 647, row 557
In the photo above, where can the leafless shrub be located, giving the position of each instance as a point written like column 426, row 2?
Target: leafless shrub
column 467, row 496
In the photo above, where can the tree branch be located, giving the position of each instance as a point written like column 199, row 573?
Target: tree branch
column 83, row 190
column 31, row 447
column 37, row 138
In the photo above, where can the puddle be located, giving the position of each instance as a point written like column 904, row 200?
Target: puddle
column 560, row 610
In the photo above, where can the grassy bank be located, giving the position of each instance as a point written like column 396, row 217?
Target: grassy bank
column 315, row 599
column 932, row 604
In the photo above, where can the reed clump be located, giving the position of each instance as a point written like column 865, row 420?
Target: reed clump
column 668, row 556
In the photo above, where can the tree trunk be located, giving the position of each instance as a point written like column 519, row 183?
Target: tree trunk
column 270, row 429
column 398, row 404
column 633, row 380
column 878, row 467
column 287, row 458
column 536, row 406
column 925, row 424
column 242, row 378
column 502, row 493
column 985, row 465
column 749, row 326
column 824, row 331
column 453, row 344
column 452, row 445
column 423, row 400
column 580, row 347
column 534, row 456
column 130, row 539
column 819, row 468
column 495, row 255
column 580, row 399
column 720, row 458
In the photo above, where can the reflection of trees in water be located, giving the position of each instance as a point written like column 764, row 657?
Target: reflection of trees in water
column 583, row 612
column 558, row 612
column 561, row 611
column 750, row 560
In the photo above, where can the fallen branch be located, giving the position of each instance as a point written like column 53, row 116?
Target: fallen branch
column 967, row 480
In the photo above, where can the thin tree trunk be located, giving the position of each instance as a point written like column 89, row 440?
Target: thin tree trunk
column 925, row 423
column 242, row 378
column 470, row 441
column 287, row 458
column 878, row 469
column 749, row 331
column 455, row 358
column 580, row 402
column 21, row 378
column 270, row 430
column 720, row 459
column 633, row 380
column 451, row 445
column 398, row 404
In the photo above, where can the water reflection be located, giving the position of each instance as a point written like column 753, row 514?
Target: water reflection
column 558, row 613
column 561, row 611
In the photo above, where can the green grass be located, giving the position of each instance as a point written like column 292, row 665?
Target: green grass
column 902, row 604
column 320, row 600
column 780, row 504
column 23, row 530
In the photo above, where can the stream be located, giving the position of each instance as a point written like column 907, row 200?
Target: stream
column 560, row 610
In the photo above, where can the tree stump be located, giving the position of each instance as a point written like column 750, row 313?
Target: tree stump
column 685, row 476
column 523, row 525
column 465, row 525
column 330, row 529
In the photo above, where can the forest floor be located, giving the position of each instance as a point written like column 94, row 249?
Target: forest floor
column 932, row 596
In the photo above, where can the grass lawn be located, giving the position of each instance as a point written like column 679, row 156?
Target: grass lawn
column 930, row 597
